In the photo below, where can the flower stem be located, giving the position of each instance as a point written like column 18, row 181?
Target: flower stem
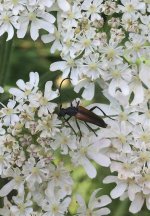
column 5, row 54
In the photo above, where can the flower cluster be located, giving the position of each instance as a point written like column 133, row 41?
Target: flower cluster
column 34, row 15
column 107, row 42
column 103, row 42
column 31, row 136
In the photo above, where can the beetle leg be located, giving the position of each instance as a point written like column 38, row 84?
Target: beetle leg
column 91, row 129
column 78, row 129
column 67, row 121
column 78, row 102
column 101, row 111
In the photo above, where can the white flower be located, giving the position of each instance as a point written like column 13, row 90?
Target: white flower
column 7, row 23
column 95, row 206
column 122, row 186
column 135, row 47
column 54, row 204
column 87, row 151
column 14, row 6
column 9, row 113
column 91, row 66
column 138, row 202
column 43, row 101
column 38, row 18
column 59, row 176
column 119, row 76
column 93, row 9
column 6, row 208
column 132, row 8
column 23, row 205
column 48, row 126
column 89, row 88
column 67, row 66
column 34, row 172
column 25, row 89
column 56, row 38
column 71, row 16
column 17, row 182
column 111, row 53
column 65, row 140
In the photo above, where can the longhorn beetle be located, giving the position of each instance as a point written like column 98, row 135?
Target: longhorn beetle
column 81, row 113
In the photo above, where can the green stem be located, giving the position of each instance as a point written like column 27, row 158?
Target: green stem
column 2, row 54
column 4, row 59
column 122, row 208
column 7, row 70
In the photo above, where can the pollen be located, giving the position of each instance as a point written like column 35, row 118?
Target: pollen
column 43, row 101
column 129, row 8
column 137, row 47
column 68, row 43
column 32, row 16
column 6, row 18
column 27, row 92
column 35, row 170
column 110, row 54
column 87, row 42
column 123, row 116
column 93, row 66
column 116, row 74
column 70, row 15
column 144, row 156
column 8, row 111
column 145, row 137
column 55, row 208
column 127, row 166
column 122, row 138
column 92, row 9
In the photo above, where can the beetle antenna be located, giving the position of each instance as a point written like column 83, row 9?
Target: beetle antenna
column 60, row 89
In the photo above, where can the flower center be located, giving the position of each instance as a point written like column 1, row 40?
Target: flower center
column 93, row 66
column 116, row 74
column 92, row 9
column 32, row 16
column 122, row 138
column 129, row 8
column 123, row 116
column 110, row 54
column 145, row 137
column 43, row 101
column 87, row 42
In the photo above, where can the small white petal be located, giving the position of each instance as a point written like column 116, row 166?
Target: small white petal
column 118, row 190
column 7, row 188
column 64, row 5
column 89, row 168
column 137, row 204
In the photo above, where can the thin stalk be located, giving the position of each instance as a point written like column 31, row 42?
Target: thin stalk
column 7, row 70
column 2, row 54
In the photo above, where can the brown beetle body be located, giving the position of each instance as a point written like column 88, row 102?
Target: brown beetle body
column 82, row 114
column 86, row 115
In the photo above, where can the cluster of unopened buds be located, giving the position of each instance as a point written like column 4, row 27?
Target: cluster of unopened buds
column 96, row 48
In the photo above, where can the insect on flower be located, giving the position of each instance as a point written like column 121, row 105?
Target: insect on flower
column 81, row 113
